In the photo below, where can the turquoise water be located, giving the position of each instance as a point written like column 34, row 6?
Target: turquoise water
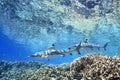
column 33, row 26
column 11, row 50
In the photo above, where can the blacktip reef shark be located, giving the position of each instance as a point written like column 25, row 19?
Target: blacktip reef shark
column 51, row 52
column 85, row 45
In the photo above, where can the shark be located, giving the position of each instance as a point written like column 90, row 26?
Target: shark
column 51, row 52
column 86, row 45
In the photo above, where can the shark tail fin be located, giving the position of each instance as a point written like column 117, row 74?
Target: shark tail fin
column 105, row 46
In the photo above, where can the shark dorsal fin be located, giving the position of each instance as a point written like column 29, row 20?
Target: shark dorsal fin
column 52, row 47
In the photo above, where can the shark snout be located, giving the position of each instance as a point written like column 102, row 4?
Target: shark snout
column 32, row 55
column 35, row 55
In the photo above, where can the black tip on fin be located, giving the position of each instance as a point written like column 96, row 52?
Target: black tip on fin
column 53, row 44
column 70, row 53
column 63, row 55
column 79, row 53
column 86, row 41
column 105, row 46
column 69, row 48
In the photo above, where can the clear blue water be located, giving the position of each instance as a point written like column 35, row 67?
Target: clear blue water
column 10, row 50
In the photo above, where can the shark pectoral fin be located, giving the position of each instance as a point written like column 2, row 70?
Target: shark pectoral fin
column 53, row 44
column 46, row 57
column 105, row 46
column 70, row 53
column 63, row 55
column 78, row 52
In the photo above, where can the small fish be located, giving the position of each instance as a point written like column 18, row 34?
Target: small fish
column 49, row 53
column 84, row 45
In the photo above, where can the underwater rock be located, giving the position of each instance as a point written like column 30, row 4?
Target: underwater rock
column 33, row 71
column 52, row 72
column 17, row 70
column 93, row 66
column 96, row 66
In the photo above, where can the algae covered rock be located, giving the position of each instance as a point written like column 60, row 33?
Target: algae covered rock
column 52, row 72
column 33, row 71
column 96, row 67
column 89, row 67
column 17, row 70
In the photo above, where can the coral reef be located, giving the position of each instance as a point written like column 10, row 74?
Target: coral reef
column 52, row 72
column 17, row 70
column 96, row 67
column 33, row 71
column 90, row 67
